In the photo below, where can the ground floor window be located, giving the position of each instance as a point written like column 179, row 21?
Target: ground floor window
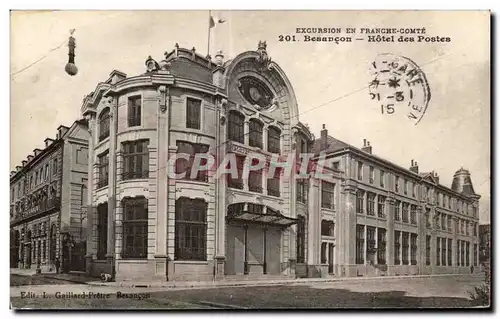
column 360, row 244
column 458, row 252
column 301, row 238
column 135, row 228
column 443, row 249
column 397, row 247
column 102, row 231
column 413, row 248
column 438, row 251
column 381, row 242
column 428, row 250
column 462, row 250
column 450, row 251
column 53, row 242
column 323, row 252
column 190, row 229
column 467, row 254
column 406, row 245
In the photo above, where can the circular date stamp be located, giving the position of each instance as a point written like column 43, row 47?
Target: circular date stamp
column 399, row 86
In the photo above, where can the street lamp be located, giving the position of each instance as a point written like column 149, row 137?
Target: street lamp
column 70, row 67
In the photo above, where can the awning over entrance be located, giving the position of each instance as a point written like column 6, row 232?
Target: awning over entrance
column 258, row 214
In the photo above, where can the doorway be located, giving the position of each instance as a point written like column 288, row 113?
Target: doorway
column 331, row 258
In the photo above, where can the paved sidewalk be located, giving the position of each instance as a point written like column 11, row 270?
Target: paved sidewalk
column 263, row 282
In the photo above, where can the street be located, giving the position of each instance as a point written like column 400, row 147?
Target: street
column 429, row 292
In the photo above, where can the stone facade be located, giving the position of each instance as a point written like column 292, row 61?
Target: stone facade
column 145, row 224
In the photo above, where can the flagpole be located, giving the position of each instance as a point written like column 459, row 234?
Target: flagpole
column 209, row 27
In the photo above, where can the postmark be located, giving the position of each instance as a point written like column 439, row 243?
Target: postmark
column 399, row 87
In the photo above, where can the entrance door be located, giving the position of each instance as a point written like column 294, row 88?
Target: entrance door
column 78, row 256
column 330, row 258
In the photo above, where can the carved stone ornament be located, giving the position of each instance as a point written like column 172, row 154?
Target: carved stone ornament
column 164, row 98
column 264, row 60
column 151, row 65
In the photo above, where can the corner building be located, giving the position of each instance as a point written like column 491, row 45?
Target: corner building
column 145, row 225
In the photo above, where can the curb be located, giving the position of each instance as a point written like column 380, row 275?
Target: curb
column 216, row 284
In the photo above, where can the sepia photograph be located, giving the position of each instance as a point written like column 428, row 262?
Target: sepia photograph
column 250, row 159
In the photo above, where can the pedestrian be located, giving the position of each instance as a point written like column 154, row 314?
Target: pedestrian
column 57, row 264
column 471, row 269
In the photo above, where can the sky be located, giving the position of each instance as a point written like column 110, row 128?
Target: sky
column 330, row 80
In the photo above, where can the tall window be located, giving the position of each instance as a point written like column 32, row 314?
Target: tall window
column 135, row 159
column 182, row 165
column 405, row 191
column 235, row 127
column 381, row 243
column 467, row 254
column 406, row 245
column 53, row 242
column 397, row 247
column 302, row 190
column 405, row 212
column 443, row 250
column 414, row 193
column 397, row 210
column 237, row 181
column 190, row 229
column 301, row 239
column 443, row 221
column 134, row 111
column 371, row 203
column 413, row 214
column 103, row 169
column 54, row 167
column 372, row 175
column 255, row 138
column 438, row 251
column 104, row 121
column 382, row 178
column 360, row 170
column 135, row 227
column 45, row 177
column 450, row 251
column 370, row 243
column 255, row 178
column 327, row 195
column 397, row 184
column 459, row 249
column 381, row 206
column 360, row 204
column 193, row 113
column 413, row 248
column 475, row 255
column 273, row 140
column 427, row 250
column 360, row 244
column 102, row 231
column 449, row 223
column 273, row 184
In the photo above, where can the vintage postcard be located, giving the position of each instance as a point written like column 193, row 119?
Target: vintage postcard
column 250, row 159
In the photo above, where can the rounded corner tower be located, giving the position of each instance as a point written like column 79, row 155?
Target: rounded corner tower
column 462, row 182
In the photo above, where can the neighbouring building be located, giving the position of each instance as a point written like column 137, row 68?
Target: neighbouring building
column 47, row 203
column 363, row 216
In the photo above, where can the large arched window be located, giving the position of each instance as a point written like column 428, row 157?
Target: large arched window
column 256, row 128
column 190, row 229
column 104, row 120
column 135, row 228
column 273, row 139
column 235, row 128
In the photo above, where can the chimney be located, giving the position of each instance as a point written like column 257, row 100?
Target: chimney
column 61, row 130
column 24, row 162
column 37, row 151
column 324, row 138
column 30, row 157
column 48, row 141
column 414, row 167
column 366, row 146
column 116, row 76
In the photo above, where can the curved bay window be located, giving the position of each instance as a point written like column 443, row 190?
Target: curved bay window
column 182, row 165
column 273, row 139
column 235, row 127
column 135, row 228
column 256, row 128
column 135, row 159
column 104, row 123
column 190, row 229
